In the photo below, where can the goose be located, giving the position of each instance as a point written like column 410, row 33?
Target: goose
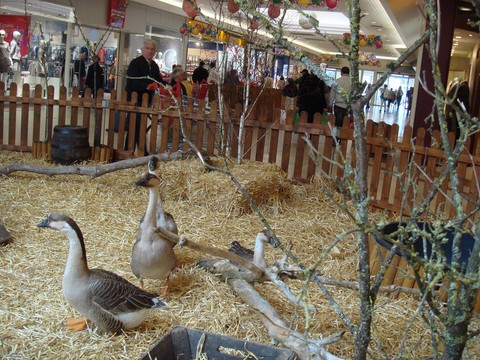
column 152, row 256
column 257, row 256
column 164, row 219
column 103, row 297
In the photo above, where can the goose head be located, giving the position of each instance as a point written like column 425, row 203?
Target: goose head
column 153, row 164
column 147, row 180
column 59, row 222
column 267, row 237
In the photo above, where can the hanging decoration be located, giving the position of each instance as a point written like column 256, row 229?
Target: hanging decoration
column 223, row 36
column 232, row 6
column 303, row 3
column 331, row 4
column 368, row 58
column 364, row 40
column 254, row 24
column 280, row 51
column 274, row 10
column 321, row 58
column 199, row 28
column 189, row 6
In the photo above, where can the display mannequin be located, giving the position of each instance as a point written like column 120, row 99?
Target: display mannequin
column 5, row 60
column 16, row 58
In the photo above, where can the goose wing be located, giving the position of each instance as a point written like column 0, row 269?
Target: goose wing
column 237, row 248
column 117, row 295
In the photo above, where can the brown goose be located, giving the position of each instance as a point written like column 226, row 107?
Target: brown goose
column 152, row 256
column 164, row 219
column 106, row 299
column 257, row 256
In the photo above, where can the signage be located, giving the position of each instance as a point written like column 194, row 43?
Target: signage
column 116, row 13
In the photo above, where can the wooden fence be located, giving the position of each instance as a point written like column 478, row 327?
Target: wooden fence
column 270, row 135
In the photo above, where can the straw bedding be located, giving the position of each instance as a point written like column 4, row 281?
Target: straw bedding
column 208, row 209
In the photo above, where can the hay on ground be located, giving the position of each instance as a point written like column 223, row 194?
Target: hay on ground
column 207, row 209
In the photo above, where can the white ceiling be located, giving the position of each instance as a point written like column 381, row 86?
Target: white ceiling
column 376, row 20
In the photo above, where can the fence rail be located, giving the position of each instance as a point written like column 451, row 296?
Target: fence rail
column 270, row 135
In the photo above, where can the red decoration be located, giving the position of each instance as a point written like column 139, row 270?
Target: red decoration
column 274, row 10
column 116, row 14
column 254, row 24
column 331, row 4
column 20, row 23
column 189, row 8
column 233, row 7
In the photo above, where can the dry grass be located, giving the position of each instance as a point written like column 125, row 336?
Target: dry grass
column 208, row 209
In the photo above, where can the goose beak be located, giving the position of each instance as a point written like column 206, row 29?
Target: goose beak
column 44, row 223
column 271, row 239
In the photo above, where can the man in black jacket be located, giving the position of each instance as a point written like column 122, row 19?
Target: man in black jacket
column 142, row 71
column 200, row 73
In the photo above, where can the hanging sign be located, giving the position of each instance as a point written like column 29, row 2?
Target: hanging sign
column 116, row 13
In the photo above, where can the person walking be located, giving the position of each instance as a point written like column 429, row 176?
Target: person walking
column 399, row 95
column 390, row 97
column 337, row 100
column 141, row 72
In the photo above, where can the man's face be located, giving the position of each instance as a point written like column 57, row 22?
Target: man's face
column 149, row 50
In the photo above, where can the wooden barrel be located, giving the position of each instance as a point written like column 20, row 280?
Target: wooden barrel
column 399, row 272
column 70, row 144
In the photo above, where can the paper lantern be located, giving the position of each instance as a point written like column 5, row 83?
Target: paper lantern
column 274, row 11
column 241, row 42
column 232, row 6
column 189, row 8
column 223, row 36
column 331, row 4
column 303, row 3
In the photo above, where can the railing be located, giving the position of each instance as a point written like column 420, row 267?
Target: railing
column 270, row 135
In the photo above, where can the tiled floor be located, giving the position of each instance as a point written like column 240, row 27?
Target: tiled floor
column 398, row 116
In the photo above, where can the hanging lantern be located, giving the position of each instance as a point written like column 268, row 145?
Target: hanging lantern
column 189, row 8
column 223, row 36
column 274, row 10
column 303, row 3
column 331, row 4
column 232, row 6
column 241, row 42
column 254, row 24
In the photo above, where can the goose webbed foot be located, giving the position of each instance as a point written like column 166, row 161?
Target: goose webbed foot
column 77, row 324
column 165, row 289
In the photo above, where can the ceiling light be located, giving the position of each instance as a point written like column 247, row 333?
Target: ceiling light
column 374, row 22
column 470, row 35
column 464, row 8
column 458, row 37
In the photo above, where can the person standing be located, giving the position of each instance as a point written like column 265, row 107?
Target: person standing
column 5, row 60
column 141, row 72
column 213, row 81
column 200, row 73
column 95, row 76
column 383, row 98
column 337, row 99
